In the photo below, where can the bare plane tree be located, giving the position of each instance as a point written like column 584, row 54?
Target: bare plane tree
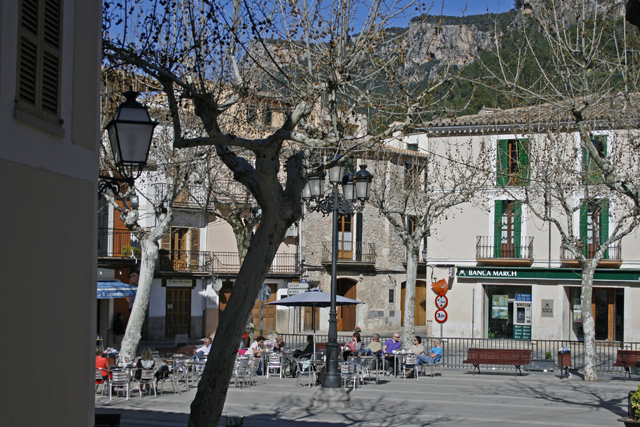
column 419, row 190
column 577, row 60
column 314, row 60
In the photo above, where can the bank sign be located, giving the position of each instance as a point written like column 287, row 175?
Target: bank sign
column 470, row 272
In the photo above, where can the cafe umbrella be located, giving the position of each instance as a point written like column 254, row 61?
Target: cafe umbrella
column 314, row 298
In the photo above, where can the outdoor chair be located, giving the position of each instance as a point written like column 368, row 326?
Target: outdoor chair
column 147, row 377
column 240, row 372
column 411, row 362
column 172, row 378
column 99, row 380
column 275, row 363
column 305, row 369
column 349, row 373
column 119, row 382
column 426, row 366
column 252, row 372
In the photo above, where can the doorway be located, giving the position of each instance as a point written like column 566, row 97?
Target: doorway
column 178, row 318
column 420, row 307
column 347, row 313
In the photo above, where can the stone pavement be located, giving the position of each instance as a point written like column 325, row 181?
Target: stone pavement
column 454, row 398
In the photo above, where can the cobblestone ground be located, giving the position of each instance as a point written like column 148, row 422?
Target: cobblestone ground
column 453, row 398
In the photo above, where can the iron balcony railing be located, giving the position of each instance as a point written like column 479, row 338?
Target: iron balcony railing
column 454, row 350
column 194, row 196
column 229, row 263
column 117, row 244
column 184, row 261
column 519, row 248
column 351, row 252
column 613, row 252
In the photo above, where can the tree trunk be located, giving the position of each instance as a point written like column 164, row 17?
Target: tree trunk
column 133, row 333
column 206, row 408
column 588, row 323
column 409, row 328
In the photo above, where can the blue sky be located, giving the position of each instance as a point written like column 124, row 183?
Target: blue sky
column 456, row 8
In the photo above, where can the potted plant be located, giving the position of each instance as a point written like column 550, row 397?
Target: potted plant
column 634, row 409
column 357, row 329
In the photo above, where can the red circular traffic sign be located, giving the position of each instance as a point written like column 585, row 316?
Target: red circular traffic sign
column 441, row 316
column 442, row 301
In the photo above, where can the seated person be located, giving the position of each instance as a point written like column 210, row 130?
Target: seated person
column 102, row 363
column 145, row 362
column 374, row 346
column 256, row 348
column 353, row 346
column 308, row 350
column 390, row 345
column 434, row 354
column 202, row 351
column 279, row 343
column 418, row 349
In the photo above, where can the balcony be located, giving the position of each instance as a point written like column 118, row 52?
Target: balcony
column 116, row 246
column 197, row 197
column 360, row 254
column 612, row 256
column 184, row 262
column 229, row 263
column 516, row 254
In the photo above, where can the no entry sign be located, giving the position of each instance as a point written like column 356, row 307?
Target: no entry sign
column 441, row 316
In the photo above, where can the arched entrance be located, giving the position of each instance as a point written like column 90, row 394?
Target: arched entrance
column 420, row 309
column 347, row 313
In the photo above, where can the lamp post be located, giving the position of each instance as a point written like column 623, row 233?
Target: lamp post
column 130, row 132
column 330, row 393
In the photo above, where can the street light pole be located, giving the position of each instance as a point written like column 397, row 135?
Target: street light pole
column 331, row 394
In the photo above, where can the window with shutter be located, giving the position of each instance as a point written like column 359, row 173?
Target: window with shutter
column 39, row 53
column 512, row 162
column 592, row 174
column 594, row 226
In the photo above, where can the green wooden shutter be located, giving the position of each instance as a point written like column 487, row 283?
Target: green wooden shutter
column 497, row 230
column 359, row 237
column 584, row 215
column 523, row 162
column 604, row 224
column 593, row 172
column 502, row 167
column 517, row 228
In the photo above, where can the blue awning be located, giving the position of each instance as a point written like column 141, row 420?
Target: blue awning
column 115, row 289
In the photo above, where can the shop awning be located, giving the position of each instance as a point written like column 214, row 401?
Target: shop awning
column 115, row 289
column 541, row 273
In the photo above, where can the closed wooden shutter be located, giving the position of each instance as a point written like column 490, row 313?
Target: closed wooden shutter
column 604, row 224
column 39, row 54
column 523, row 162
column 502, row 166
column 497, row 229
column 517, row 229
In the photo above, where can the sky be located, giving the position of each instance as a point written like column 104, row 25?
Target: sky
column 462, row 7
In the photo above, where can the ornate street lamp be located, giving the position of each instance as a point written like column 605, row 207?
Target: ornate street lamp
column 130, row 132
column 331, row 393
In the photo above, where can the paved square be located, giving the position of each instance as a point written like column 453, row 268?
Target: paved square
column 455, row 398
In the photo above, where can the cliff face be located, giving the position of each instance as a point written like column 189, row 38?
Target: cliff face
column 452, row 44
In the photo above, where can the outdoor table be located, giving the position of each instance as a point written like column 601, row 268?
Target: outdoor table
column 376, row 359
column 398, row 357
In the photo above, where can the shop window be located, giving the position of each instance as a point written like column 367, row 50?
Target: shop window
column 608, row 312
column 508, row 312
column 513, row 162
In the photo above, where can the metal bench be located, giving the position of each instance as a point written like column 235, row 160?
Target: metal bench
column 627, row 359
column 497, row 356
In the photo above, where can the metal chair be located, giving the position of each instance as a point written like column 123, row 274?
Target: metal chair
column 101, row 380
column 240, row 372
column 349, row 373
column 119, row 380
column 432, row 365
column 172, row 378
column 305, row 369
column 411, row 362
column 275, row 362
column 147, row 377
